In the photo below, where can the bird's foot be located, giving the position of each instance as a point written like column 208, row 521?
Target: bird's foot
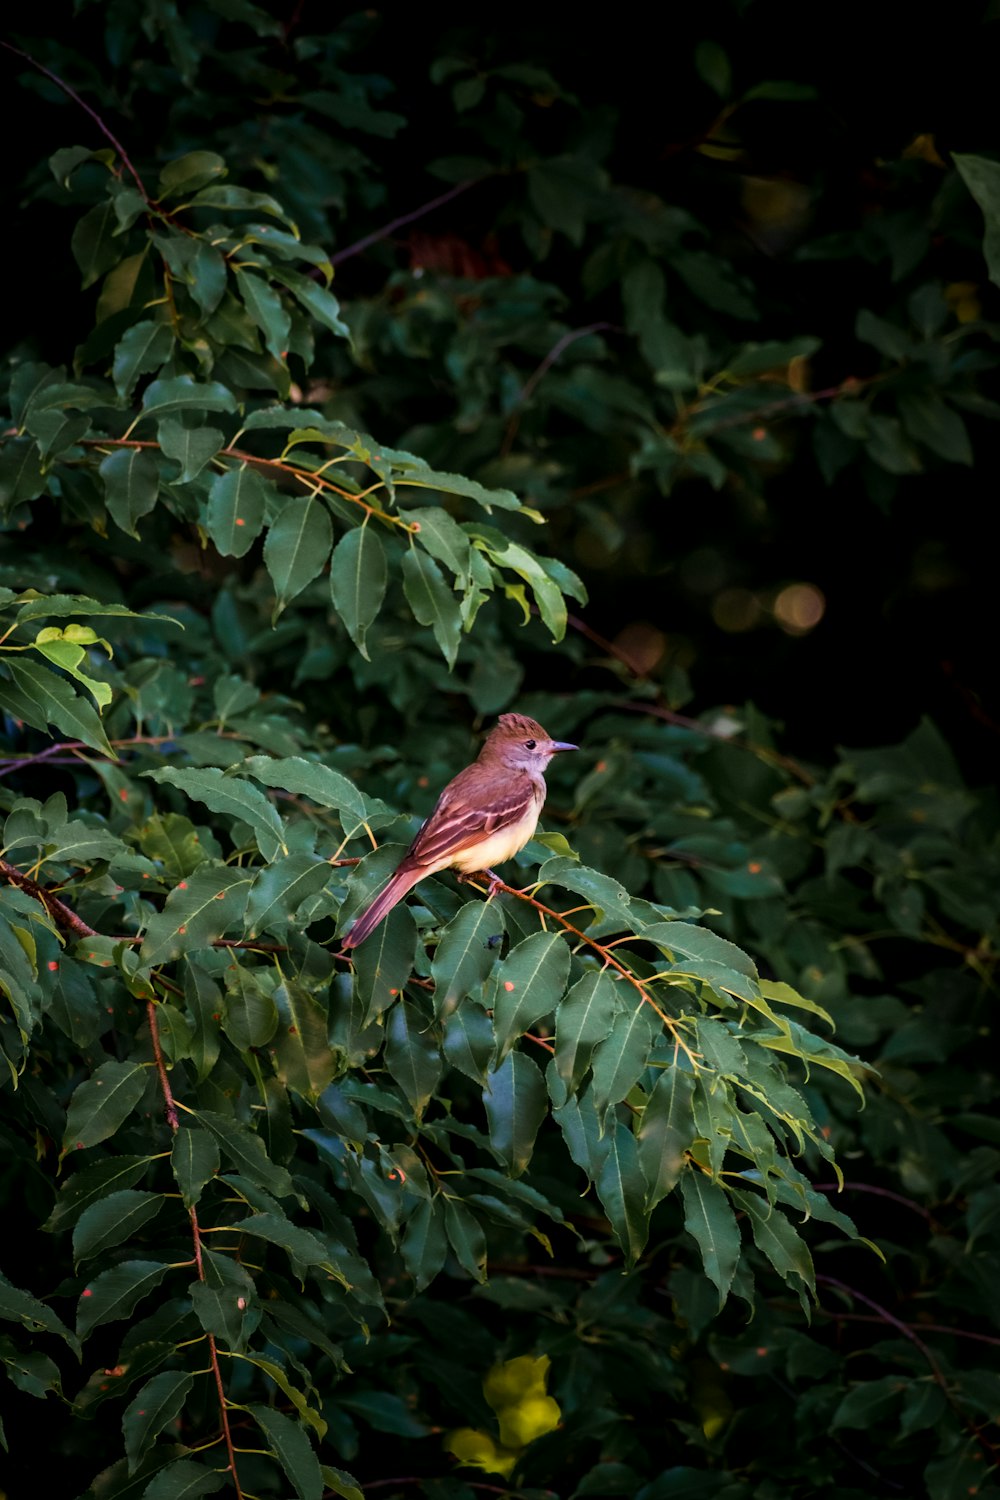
column 476, row 877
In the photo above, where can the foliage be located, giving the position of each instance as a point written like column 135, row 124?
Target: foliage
column 574, row 1132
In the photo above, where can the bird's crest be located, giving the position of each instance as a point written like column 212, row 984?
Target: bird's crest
column 518, row 726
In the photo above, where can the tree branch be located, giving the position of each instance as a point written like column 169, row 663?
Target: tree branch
column 72, row 93
column 403, row 220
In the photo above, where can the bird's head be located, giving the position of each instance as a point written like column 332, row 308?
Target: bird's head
column 521, row 744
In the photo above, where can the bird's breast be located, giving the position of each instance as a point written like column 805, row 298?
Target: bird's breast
column 496, row 847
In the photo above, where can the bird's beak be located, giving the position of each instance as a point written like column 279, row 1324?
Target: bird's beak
column 555, row 745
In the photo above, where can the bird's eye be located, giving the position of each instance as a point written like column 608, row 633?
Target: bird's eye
column 529, row 744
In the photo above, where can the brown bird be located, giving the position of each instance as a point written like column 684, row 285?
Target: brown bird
column 483, row 817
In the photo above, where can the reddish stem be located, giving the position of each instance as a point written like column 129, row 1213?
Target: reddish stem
column 170, row 1109
column 402, row 221
column 908, row 1333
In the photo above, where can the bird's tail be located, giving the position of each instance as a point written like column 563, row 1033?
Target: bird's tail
column 371, row 916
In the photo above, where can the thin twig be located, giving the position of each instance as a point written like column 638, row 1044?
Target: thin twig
column 309, row 479
column 170, row 1110
column 403, row 220
column 956, row 1333
column 72, row 93
column 908, row 1333
column 60, row 913
column 879, row 1192
column 531, row 384
column 559, row 347
column 609, row 960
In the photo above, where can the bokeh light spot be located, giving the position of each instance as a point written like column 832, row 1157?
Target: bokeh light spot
column 799, row 608
column 736, row 610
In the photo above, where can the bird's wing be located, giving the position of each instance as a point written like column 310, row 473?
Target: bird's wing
column 468, row 812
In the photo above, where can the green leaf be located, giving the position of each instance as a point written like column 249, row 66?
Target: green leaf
column 59, row 606
column 425, row 1243
column 247, row 1153
column 221, row 195
column 40, row 698
column 618, row 1060
column 21, row 1307
column 303, row 1059
column 621, row 1188
column 292, row 1449
column 197, row 911
column 90, row 1184
column 63, row 163
column 94, row 245
column 143, row 347
column 666, row 1132
column 232, row 796
column 813, row 1050
column 465, row 956
column 280, row 888
column 526, row 986
column 78, row 843
column 267, row 311
column 306, row 1412
column 412, row 1055
column 102, row 1103
column 982, row 177
column 158, row 1402
column 432, row 601
column 297, row 547
column 384, row 962
column 226, row 1302
column 307, row 778
column 584, row 1018
column 191, row 447
column 68, row 655
column 207, row 277
column 758, row 359
column 251, row 1016
column 112, row 1220
column 561, row 192
column 469, row 1042
column 782, row 90
column 466, row 1237
column 186, row 174
column 116, row 1293
column 301, row 1244
column 182, row 393
column 777, row 1238
column 709, row 1219
column 516, row 1103
column 358, row 575
column 237, row 504
column 57, row 432
column 183, row 1480
column 699, row 943
column 342, row 1484
column 444, row 539
column 783, row 994
column 548, row 596
column 21, row 474
column 939, row 427
column 423, row 478
column 316, row 300
column 194, row 1159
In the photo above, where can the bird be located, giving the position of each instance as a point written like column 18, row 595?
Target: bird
column 484, row 816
